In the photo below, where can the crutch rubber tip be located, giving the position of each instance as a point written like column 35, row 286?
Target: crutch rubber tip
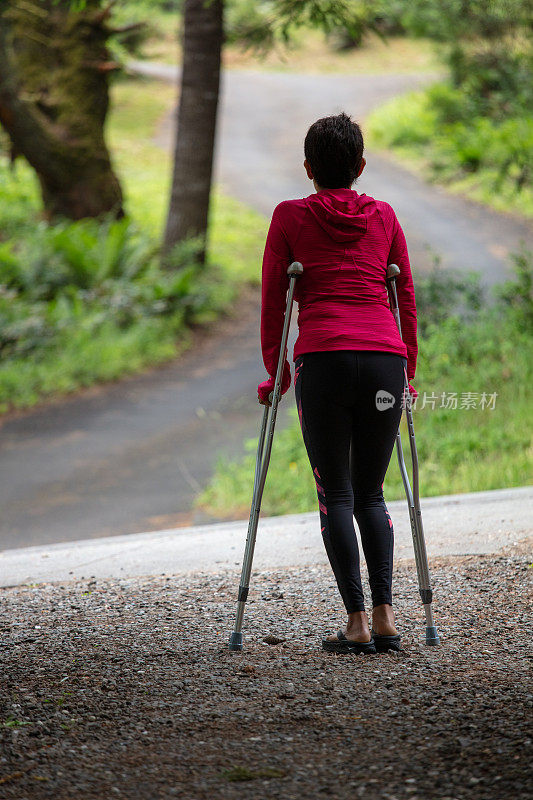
column 432, row 637
column 235, row 641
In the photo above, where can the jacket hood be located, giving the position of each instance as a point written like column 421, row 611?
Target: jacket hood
column 342, row 213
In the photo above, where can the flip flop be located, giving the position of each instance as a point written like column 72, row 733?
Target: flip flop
column 344, row 645
column 386, row 643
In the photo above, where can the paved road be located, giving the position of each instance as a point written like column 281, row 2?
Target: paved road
column 265, row 116
column 129, row 457
column 483, row 522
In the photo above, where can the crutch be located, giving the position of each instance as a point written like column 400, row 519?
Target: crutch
column 413, row 496
column 261, row 464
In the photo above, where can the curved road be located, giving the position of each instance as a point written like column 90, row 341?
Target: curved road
column 130, row 456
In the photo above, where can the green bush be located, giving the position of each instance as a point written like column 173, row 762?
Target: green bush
column 448, row 104
column 517, row 294
column 442, row 294
column 487, row 47
column 89, row 273
column 82, row 254
column 438, row 129
column 406, row 121
column 506, row 148
column 82, row 302
column 475, row 131
column 23, row 326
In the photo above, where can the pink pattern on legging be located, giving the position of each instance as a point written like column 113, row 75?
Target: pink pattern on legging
column 320, row 491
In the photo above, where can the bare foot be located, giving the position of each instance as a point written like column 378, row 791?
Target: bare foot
column 357, row 629
column 383, row 620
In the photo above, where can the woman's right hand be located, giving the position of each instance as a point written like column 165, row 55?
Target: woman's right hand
column 264, row 389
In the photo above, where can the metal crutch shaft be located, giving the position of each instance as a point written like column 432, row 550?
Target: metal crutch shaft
column 413, row 496
column 261, row 464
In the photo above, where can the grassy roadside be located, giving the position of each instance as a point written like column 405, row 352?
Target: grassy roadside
column 475, row 157
column 84, row 334
column 311, row 53
column 461, row 449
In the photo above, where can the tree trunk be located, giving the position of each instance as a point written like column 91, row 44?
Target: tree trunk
column 196, row 123
column 54, row 68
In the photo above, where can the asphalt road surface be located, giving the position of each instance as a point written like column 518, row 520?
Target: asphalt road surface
column 130, row 456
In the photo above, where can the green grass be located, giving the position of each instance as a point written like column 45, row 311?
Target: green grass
column 311, row 53
column 460, row 450
column 467, row 155
column 79, row 360
column 84, row 354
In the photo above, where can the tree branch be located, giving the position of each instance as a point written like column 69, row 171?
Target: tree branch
column 32, row 9
column 133, row 26
column 104, row 14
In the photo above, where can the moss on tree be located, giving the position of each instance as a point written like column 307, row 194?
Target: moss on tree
column 54, row 68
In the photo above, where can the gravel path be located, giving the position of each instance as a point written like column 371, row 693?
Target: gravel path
column 125, row 688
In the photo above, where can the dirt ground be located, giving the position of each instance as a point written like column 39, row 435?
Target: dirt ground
column 126, row 688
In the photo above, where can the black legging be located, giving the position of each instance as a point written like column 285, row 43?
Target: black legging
column 349, row 424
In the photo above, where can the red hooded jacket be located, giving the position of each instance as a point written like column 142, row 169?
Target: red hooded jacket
column 345, row 242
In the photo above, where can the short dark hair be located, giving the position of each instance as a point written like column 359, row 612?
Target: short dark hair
column 333, row 148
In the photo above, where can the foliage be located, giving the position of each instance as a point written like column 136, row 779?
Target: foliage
column 440, row 129
column 480, row 123
column 449, row 20
column 82, row 254
column 443, row 293
column 89, row 273
column 262, row 25
column 518, row 293
column 383, row 17
column 488, row 49
column 85, row 302
column 507, row 148
column 138, row 21
column 23, row 326
column 147, row 6
column 81, row 302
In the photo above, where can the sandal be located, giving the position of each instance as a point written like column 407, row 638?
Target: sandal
column 344, row 645
column 386, row 643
